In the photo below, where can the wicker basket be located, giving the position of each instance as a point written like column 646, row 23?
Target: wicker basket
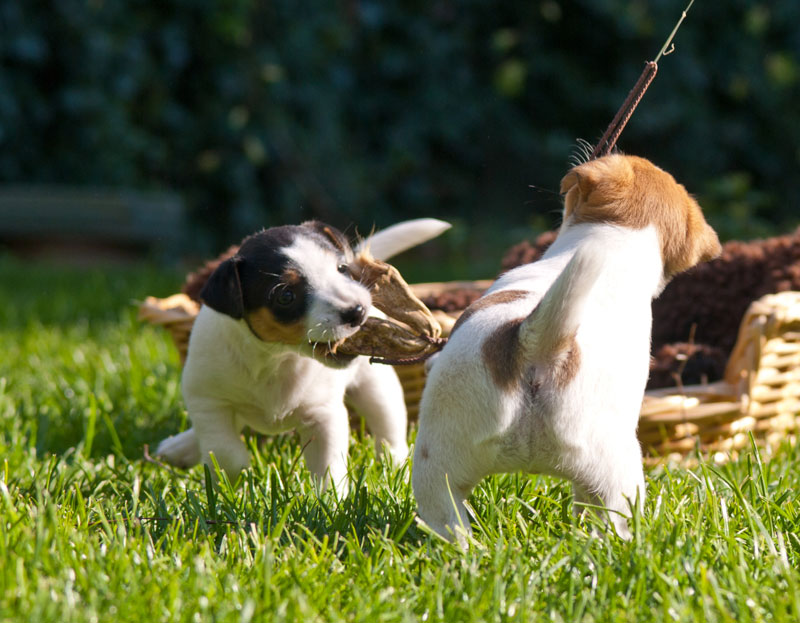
column 760, row 393
column 176, row 314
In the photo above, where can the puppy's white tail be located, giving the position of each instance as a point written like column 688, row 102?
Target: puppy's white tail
column 402, row 236
column 550, row 328
column 181, row 450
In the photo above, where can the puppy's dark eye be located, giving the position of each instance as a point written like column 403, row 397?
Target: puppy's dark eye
column 344, row 269
column 285, row 297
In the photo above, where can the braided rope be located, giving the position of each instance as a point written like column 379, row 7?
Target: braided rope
column 609, row 139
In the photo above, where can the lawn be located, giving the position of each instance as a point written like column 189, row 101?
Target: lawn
column 90, row 531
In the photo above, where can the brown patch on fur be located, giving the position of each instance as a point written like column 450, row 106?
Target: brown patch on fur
column 632, row 192
column 423, row 452
column 336, row 238
column 501, row 354
column 291, row 277
column 495, row 298
column 263, row 323
column 568, row 368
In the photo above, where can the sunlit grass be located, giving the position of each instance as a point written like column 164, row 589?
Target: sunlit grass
column 89, row 530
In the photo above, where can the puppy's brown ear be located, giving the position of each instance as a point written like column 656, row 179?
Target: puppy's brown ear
column 710, row 247
column 579, row 177
column 223, row 290
column 578, row 184
column 569, row 180
column 571, row 190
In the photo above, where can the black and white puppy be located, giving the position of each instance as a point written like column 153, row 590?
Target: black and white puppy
column 260, row 352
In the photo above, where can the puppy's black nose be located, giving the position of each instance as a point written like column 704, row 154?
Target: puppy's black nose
column 355, row 316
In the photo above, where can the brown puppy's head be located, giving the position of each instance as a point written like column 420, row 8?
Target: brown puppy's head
column 632, row 192
column 292, row 286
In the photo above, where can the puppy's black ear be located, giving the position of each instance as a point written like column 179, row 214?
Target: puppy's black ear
column 223, row 290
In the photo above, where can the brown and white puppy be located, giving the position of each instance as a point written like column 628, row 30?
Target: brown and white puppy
column 260, row 352
column 546, row 372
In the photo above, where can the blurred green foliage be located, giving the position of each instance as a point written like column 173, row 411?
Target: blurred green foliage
column 370, row 111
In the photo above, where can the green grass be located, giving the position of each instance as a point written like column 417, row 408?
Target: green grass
column 89, row 531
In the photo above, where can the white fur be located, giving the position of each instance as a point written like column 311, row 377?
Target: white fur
column 233, row 380
column 595, row 282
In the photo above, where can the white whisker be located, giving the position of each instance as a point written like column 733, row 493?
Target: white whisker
column 581, row 153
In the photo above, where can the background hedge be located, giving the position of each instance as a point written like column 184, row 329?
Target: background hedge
column 357, row 111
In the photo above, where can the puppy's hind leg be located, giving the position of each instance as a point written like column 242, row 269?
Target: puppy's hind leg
column 377, row 396
column 181, row 450
column 626, row 489
column 440, row 495
column 614, row 480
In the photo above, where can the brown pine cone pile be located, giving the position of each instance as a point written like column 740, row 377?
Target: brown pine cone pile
column 688, row 363
column 526, row 252
column 452, row 300
column 714, row 296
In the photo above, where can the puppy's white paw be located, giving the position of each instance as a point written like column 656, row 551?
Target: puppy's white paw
column 181, row 450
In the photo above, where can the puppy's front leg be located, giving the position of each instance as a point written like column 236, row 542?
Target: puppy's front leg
column 325, row 436
column 217, row 433
column 377, row 396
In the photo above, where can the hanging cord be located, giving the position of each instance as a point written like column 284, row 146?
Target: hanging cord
column 609, row 138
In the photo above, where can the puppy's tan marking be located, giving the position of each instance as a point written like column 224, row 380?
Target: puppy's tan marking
column 501, row 354
column 336, row 238
column 564, row 357
column 264, row 324
column 632, row 192
column 291, row 277
column 495, row 298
